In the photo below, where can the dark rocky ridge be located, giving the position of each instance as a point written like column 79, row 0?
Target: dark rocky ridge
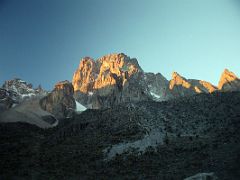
column 7, row 99
column 201, row 134
column 60, row 101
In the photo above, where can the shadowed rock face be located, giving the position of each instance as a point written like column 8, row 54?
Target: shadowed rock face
column 7, row 99
column 158, row 86
column 168, row 140
column 23, row 90
column 60, row 101
column 229, row 81
column 108, row 81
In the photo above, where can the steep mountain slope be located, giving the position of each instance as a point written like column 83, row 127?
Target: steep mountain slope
column 17, row 91
column 23, row 90
column 185, row 136
column 158, row 86
column 229, row 81
column 60, row 101
column 29, row 112
column 180, row 86
column 108, row 81
column 7, row 99
column 116, row 78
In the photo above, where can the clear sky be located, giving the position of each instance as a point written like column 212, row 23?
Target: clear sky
column 42, row 41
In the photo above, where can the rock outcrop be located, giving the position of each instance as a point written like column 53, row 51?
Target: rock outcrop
column 201, row 86
column 229, row 81
column 108, row 81
column 7, row 99
column 60, row 102
column 180, row 86
column 23, row 90
column 116, row 78
column 158, row 86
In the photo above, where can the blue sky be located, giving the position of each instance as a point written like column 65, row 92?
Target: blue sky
column 42, row 41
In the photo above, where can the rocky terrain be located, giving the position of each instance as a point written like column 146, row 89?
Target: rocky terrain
column 115, row 121
column 23, row 90
column 29, row 112
column 108, row 81
column 174, row 139
column 14, row 92
column 117, row 78
column 229, row 81
column 60, row 101
column 7, row 99
column 20, row 102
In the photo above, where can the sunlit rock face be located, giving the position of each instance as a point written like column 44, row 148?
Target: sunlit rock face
column 60, row 101
column 201, row 86
column 180, row 86
column 108, row 81
column 229, row 81
column 84, row 77
column 117, row 78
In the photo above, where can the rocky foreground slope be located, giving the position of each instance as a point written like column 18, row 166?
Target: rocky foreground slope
column 145, row 140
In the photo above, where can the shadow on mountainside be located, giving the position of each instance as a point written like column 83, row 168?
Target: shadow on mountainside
column 201, row 135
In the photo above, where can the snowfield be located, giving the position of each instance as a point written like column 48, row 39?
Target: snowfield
column 79, row 107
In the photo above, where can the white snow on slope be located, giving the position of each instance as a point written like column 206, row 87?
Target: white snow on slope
column 153, row 139
column 80, row 107
column 27, row 95
column 90, row 93
column 155, row 95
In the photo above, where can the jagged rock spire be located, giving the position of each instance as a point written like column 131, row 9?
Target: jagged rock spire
column 229, row 81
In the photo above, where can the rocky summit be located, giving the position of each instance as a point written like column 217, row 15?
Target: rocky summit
column 229, row 81
column 23, row 90
column 60, row 101
column 108, row 81
column 117, row 78
column 180, row 86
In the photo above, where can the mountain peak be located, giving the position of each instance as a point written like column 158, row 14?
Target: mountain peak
column 228, row 81
column 176, row 75
column 228, row 74
column 106, row 76
column 177, row 79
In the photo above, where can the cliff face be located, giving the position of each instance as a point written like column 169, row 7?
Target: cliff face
column 60, row 101
column 7, row 99
column 110, row 80
column 158, row 86
column 229, row 81
column 117, row 78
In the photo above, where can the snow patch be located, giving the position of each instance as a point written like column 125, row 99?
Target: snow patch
column 28, row 95
column 155, row 95
column 80, row 107
column 153, row 139
column 90, row 93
